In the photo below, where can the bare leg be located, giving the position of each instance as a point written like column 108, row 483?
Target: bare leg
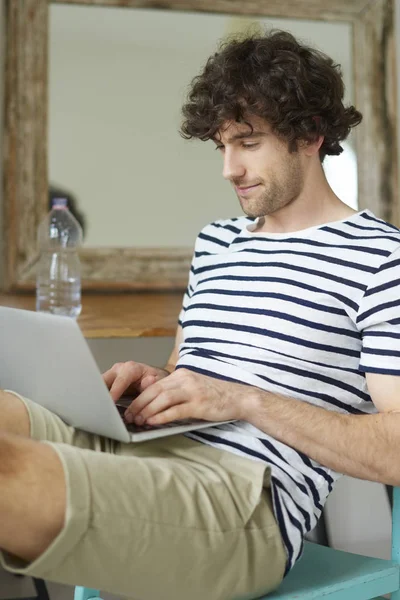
column 32, row 496
column 13, row 415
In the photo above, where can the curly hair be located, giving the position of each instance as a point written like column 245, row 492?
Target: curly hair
column 298, row 90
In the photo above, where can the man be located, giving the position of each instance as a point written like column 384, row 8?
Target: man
column 290, row 326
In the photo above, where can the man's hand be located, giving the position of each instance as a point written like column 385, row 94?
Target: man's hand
column 131, row 378
column 188, row 395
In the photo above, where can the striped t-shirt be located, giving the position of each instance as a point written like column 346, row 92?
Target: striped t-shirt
column 302, row 314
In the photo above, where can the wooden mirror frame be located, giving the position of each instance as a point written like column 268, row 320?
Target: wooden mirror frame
column 25, row 152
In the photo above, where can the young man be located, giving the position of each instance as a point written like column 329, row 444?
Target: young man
column 290, row 326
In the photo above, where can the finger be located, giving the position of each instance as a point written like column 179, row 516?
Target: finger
column 148, row 380
column 127, row 375
column 109, row 376
column 163, row 402
column 173, row 413
column 150, row 393
column 142, row 401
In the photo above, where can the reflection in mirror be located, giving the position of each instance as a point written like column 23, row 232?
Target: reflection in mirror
column 117, row 81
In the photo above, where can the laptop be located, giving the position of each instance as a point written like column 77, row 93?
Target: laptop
column 45, row 358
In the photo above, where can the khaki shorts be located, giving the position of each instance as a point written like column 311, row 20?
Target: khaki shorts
column 166, row 519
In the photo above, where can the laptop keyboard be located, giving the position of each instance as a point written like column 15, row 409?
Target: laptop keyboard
column 132, row 428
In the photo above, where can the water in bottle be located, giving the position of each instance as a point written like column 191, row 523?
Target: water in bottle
column 58, row 279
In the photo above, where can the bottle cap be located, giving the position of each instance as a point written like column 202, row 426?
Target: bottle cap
column 59, row 202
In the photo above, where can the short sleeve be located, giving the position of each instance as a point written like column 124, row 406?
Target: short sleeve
column 378, row 319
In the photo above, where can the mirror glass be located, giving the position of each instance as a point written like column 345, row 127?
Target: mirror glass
column 117, row 80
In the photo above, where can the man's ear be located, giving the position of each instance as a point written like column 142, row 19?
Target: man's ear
column 311, row 148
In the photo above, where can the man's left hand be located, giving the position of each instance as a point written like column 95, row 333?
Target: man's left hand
column 189, row 395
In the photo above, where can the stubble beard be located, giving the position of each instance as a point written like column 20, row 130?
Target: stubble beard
column 277, row 195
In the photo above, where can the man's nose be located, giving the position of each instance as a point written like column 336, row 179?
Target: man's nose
column 233, row 167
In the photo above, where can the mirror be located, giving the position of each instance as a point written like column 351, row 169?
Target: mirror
column 115, row 78
column 137, row 182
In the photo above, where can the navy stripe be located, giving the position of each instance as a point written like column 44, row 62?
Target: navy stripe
column 274, row 451
column 210, row 373
column 209, row 238
column 379, row 352
column 279, row 315
column 224, row 442
column 303, row 488
column 382, row 334
column 390, row 265
column 324, row 257
column 377, row 309
column 314, row 491
column 373, row 237
column 203, row 340
column 379, row 221
column 295, row 522
column 343, row 299
column 281, row 524
column 307, row 461
column 282, row 265
column 271, row 334
column 350, row 236
column 380, row 288
column 379, row 370
column 342, row 234
column 297, row 301
column 228, row 227
column 265, row 458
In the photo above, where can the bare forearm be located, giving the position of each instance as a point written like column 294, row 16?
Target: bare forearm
column 363, row 446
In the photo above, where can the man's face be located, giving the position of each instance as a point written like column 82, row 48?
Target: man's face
column 265, row 175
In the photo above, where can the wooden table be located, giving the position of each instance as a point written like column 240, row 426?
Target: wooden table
column 123, row 315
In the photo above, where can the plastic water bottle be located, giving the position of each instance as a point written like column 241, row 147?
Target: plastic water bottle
column 58, row 279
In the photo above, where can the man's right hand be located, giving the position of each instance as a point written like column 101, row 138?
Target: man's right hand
column 131, row 378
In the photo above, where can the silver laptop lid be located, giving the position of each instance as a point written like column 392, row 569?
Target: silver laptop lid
column 46, row 358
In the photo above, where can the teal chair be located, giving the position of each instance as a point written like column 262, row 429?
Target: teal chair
column 327, row 573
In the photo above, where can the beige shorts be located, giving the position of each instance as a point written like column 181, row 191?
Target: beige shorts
column 166, row 519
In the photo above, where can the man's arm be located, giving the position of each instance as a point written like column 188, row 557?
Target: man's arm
column 363, row 446
column 173, row 359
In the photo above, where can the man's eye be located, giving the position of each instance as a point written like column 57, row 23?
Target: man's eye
column 250, row 145
column 219, row 147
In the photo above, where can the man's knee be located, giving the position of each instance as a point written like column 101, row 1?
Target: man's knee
column 33, row 496
column 14, row 416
